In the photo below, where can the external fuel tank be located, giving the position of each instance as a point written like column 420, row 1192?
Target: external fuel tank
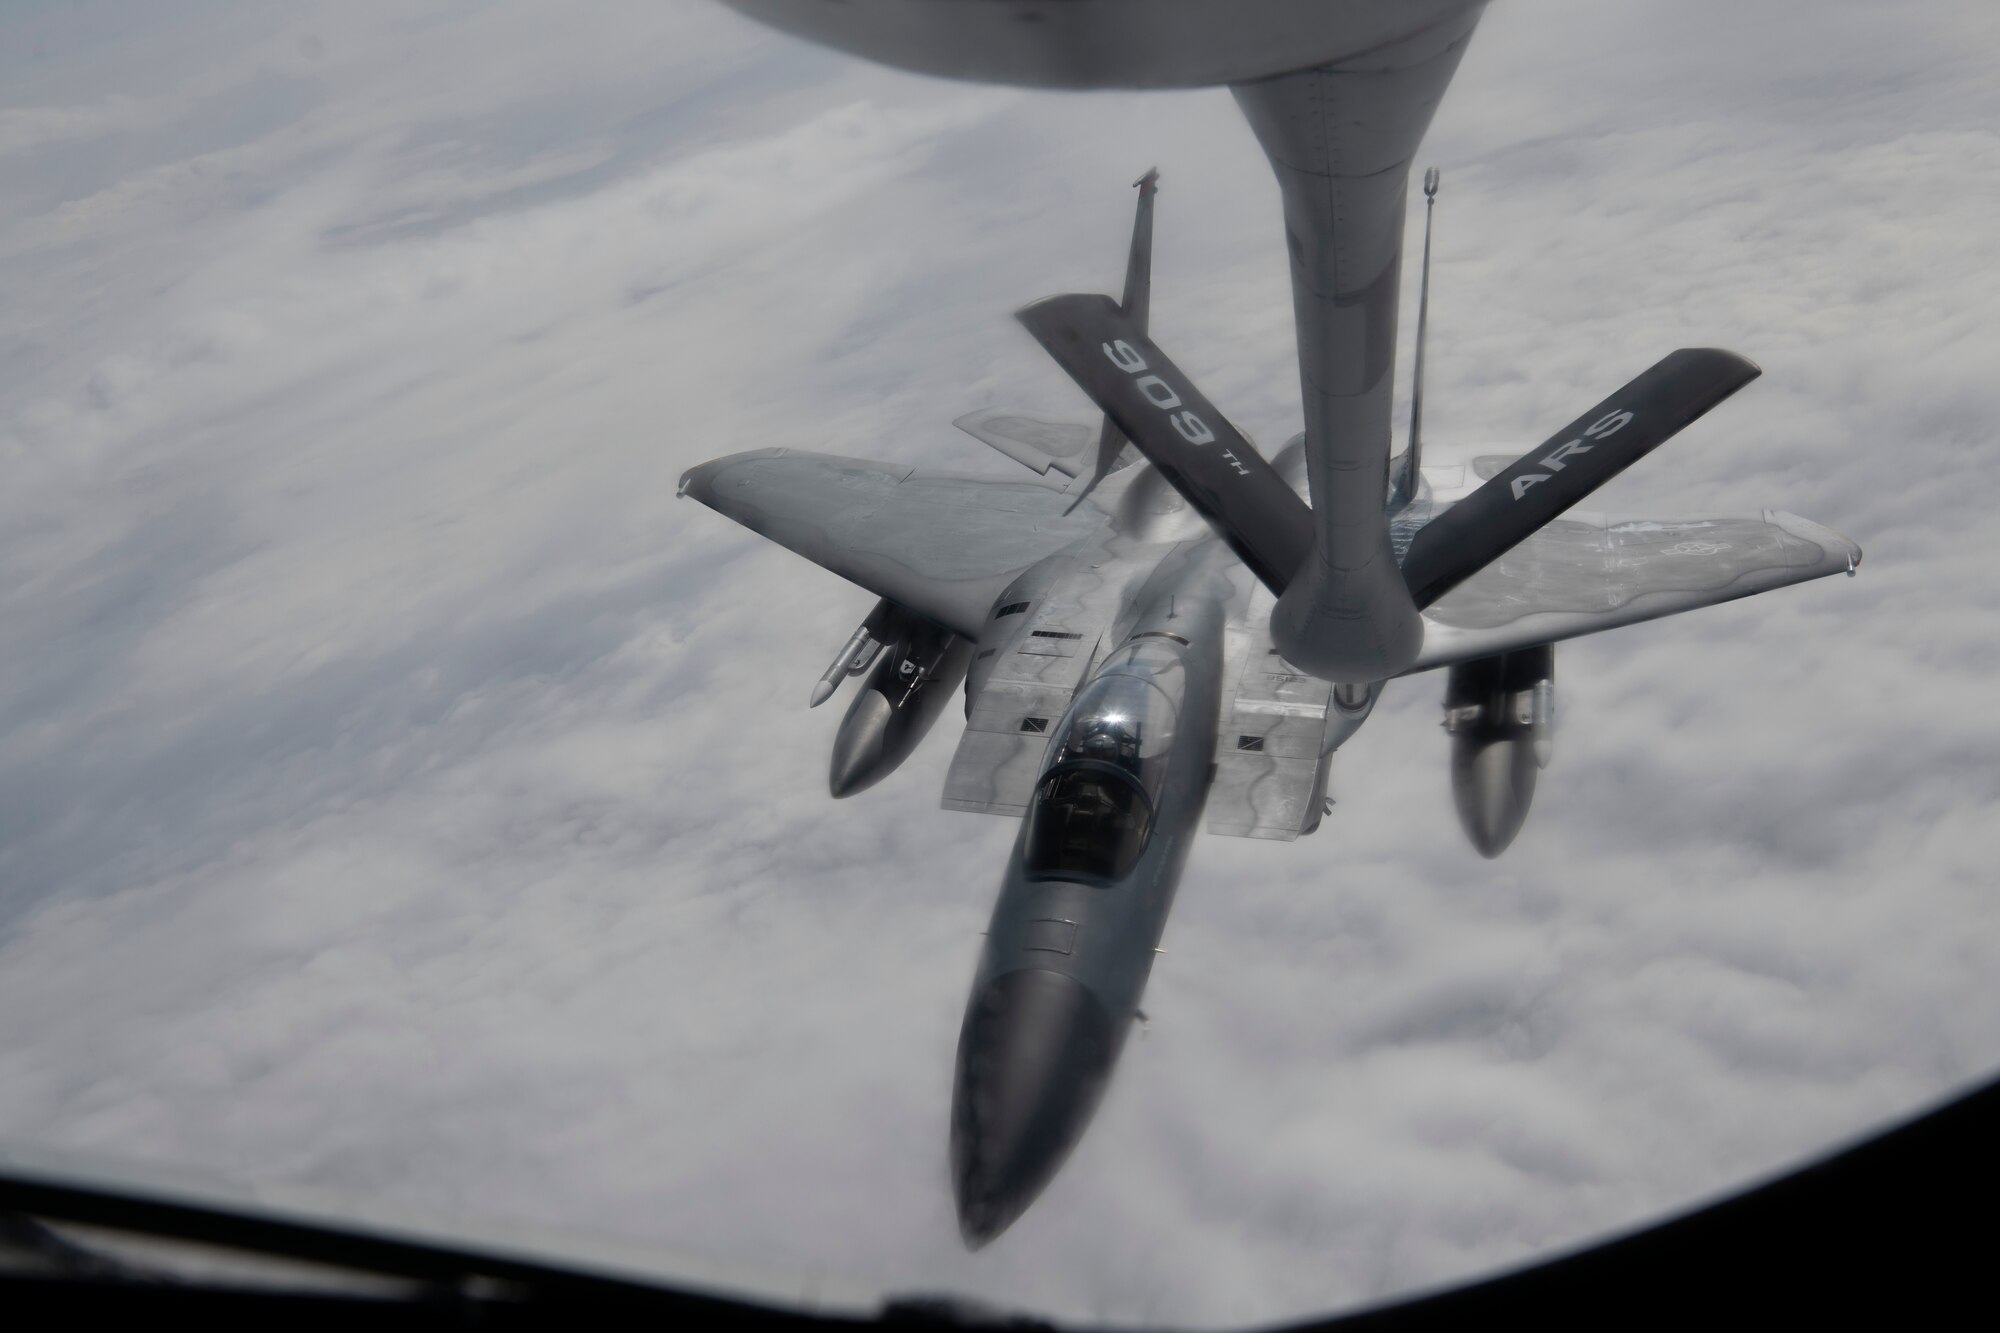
column 913, row 678
column 1500, row 713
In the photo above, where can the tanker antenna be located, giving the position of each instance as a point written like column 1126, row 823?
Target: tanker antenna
column 1409, row 474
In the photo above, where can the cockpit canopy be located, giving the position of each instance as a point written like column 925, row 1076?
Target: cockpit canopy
column 1120, row 720
column 1087, row 821
column 1093, row 810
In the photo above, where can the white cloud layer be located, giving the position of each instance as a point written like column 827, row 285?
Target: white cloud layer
column 401, row 795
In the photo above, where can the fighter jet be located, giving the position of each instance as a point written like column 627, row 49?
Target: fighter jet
column 1110, row 617
column 1160, row 626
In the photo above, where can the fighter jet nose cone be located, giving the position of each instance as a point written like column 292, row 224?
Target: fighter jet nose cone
column 1033, row 1058
column 981, row 1219
column 1492, row 783
column 858, row 748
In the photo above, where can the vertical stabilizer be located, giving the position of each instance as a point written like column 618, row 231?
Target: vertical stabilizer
column 1410, row 467
column 1139, row 263
column 1137, row 305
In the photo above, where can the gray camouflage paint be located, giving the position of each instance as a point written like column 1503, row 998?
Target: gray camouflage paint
column 1066, row 958
column 1044, row 1027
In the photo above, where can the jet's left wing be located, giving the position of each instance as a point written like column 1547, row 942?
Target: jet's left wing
column 943, row 545
column 1584, row 573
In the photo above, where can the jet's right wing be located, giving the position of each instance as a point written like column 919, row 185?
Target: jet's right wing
column 941, row 544
column 1584, row 573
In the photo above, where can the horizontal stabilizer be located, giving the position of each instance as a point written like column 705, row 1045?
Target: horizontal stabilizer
column 1590, row 451
column 1178, row 430
column 1031, row 441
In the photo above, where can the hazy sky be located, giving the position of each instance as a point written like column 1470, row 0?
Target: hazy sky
column 401, row 795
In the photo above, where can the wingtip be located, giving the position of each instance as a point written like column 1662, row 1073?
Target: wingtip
column 1744, row 366
column 1839, row 553
column 1852, row 553
column 1150, row 182
column 1061, row 308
